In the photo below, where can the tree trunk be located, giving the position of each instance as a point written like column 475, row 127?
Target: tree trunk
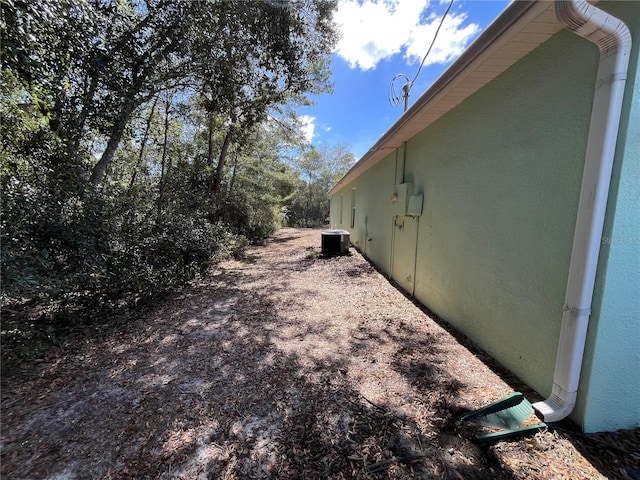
column 163, row 167
column 217, row 180
column 232, row 182
column 87, row 100
column 99, row 170
column 210, row 140
column 143, row 144
column 233, row 174
column 309, row 200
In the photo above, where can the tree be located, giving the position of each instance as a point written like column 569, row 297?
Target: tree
column 247, row 55
column 320, row 169
column 139, row 142
column 259, row 56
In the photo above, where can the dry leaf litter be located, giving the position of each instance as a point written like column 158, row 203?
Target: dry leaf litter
column 284, row 364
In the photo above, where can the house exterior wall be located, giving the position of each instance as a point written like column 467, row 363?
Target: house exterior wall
column 374, row 210
column 501, row 175
column 609, row 396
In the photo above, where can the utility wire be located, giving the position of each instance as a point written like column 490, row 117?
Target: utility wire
column 396, row 99
column 432, row 41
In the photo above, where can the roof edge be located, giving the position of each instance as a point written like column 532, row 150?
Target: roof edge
column 511, row 15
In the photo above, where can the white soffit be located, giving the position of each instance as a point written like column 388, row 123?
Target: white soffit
column 522, row 27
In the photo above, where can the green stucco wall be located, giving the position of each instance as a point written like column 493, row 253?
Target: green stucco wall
column 374, row 210
column 501, row 175
column 609, row 396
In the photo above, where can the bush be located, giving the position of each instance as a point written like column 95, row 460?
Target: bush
column 92, row 254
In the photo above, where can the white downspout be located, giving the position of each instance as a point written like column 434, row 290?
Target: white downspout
column 613, row 39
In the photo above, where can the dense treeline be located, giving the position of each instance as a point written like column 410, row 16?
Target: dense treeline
column 142, row 140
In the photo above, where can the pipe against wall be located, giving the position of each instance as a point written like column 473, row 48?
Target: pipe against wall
column 613, row 39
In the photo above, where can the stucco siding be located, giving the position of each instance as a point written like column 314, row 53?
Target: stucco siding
column 372, row 231
column 500, row 175
column 609, row 395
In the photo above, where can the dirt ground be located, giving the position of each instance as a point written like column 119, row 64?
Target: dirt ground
column 282, row 365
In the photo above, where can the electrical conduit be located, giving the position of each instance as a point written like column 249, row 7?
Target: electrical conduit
column 613, row 39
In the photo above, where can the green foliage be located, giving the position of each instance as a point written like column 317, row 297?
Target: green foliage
column 141, row 142
column 156, row 256
column 319, row 169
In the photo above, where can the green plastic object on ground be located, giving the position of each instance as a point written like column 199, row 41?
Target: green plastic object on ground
column 508, row 413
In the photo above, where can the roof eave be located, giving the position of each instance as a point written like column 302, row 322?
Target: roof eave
column 519, row 14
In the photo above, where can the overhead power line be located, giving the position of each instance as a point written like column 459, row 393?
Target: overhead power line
column 433, row 41
column 394, row 98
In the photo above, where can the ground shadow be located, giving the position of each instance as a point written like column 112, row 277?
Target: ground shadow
column 222, row 382
column 614, row 454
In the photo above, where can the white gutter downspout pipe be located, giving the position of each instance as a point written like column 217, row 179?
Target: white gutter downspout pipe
column 613, row 39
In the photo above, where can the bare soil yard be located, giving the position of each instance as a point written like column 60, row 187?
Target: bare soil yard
column 281, row 365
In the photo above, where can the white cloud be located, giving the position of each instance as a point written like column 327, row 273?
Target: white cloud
column 452, row 39
column 373, row 30
column 307, row 126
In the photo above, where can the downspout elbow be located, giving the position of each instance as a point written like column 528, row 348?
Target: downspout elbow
column 556, row 407
column 564, row 392
column 608, row 33
column 613, row 39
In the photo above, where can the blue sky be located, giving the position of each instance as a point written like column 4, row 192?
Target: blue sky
column 381, row 38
